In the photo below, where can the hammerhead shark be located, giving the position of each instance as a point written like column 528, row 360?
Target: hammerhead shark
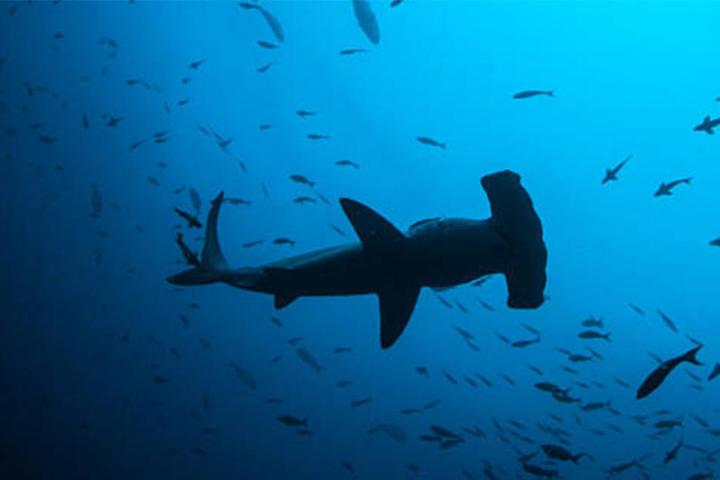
column 436, row 253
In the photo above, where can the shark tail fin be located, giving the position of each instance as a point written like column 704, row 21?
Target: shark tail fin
column 398, row 292
column 212, row 266
column 515, row 219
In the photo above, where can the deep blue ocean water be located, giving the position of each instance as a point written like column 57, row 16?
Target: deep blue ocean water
column 107, row 371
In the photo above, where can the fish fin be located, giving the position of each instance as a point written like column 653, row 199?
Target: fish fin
column 515, row 219
column 690, row 356
column 212, row 266
column 376, row 233
column 397, row 302
column 283, row 299
column 212, row 256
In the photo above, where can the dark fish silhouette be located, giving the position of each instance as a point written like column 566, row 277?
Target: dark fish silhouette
column 366, row 20
column 672, row 454
column 301, row 179
column 533, row 93
column 360, row 402
column 431, row 141
column 611, row 173
column 270, row 19
column 317, row 136
column 193, row 222
column 637, row 309
column 308, row 359
column 510, row 243
column 347, row 163
column 557, row 452
column 291, row 421
column 668, row 321
column 665, row 189
column 715, row 243
column 707, row 125
column 252, row 243
column 305, row 113
column 352, row 51
column 658, row 376
column 264, row 68
column 196, row 64
column 592, row 334
column 267, row 45
column 395, row 3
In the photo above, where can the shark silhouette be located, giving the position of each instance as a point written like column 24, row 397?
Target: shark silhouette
column 393, row 265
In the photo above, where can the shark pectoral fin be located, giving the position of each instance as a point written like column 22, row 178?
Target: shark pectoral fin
column 283, row 299
column 397, row 303
column 375, row 232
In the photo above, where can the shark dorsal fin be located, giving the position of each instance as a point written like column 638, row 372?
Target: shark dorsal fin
column 375, row 232
column 397, row 302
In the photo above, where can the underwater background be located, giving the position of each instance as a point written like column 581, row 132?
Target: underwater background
column 112, row 114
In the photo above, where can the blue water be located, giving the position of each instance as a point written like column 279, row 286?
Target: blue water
column 101, row 378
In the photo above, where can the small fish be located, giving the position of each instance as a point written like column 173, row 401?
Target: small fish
column 611, row 173
column 347, row 163
column 593, row 322
column 196, row 64
column 672, row 454
column 533, row 93
column 715, row 243
column 237, row 201
column 665, row 189
column 658, row 376
column 244, row 376
column 525, row 343
column 267, row 45
column 308, row 359
column 450, row 378
column 264, row 68
column 557, row 452
column 317, row 136
column 303, row 200
column 708, row 125
column 668, row 321
column 291, row 421
column 352, row 51
column 270, row 19
column 393, row 4
column 305, row 113
column 253, row 243
column 284, row 241
column 592, row 334
column 636, row 309
column 360, row 402
column 153, row 181
column 431, row 142
column 193, row 222
column 301, row 179
column 422, row 371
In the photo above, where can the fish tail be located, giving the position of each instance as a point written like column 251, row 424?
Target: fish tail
column 212, row 266
column 690, row 356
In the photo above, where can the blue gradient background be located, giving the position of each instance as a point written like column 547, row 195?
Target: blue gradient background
column 78, row 402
